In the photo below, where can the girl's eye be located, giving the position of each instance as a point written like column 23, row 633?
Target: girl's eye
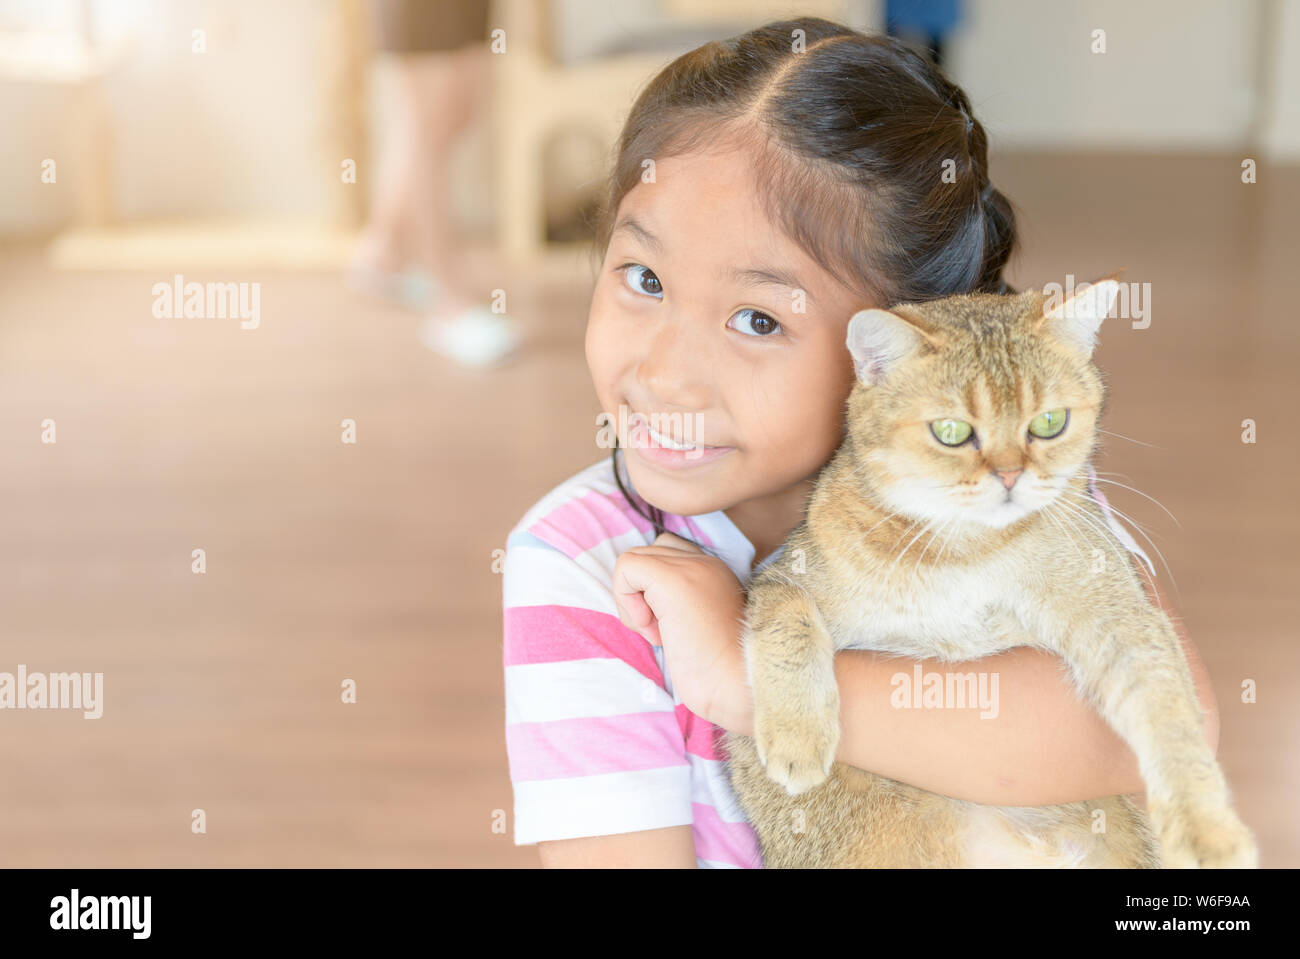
column 760, row 324
column 642, row 280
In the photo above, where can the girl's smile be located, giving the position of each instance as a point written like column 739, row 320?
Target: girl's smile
column 663, row 451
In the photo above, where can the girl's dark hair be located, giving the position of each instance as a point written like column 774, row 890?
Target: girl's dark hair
column 867, row 156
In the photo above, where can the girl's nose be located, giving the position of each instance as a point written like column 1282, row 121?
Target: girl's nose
column 677, row 368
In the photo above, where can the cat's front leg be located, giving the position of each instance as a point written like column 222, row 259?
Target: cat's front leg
column 1133, row 668
column 790, row 658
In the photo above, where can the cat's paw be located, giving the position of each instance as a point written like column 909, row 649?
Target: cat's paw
column 797, row 751
column 1203, row 836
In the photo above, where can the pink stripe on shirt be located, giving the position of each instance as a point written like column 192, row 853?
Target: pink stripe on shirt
column 702, row 737
column 594, row 745
column 554, row 634
column 733, row 843
column 586, row 522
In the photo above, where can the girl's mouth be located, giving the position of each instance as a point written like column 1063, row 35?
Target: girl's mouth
column 664, row 451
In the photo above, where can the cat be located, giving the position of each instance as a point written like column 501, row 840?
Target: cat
column 954, row 522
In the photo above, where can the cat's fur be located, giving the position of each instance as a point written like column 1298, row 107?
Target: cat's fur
column 912, row 548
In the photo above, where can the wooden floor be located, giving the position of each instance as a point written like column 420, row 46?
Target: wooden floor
column 373, row 562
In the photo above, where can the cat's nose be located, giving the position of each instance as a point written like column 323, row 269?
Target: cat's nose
column 1008, row 477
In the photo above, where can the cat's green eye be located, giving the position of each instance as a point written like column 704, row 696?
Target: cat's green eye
column 951, row 432
column 1049, row 424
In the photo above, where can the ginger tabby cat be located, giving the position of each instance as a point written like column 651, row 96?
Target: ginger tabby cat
column 955, row 522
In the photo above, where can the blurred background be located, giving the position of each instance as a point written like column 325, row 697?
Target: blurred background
column 405, row 377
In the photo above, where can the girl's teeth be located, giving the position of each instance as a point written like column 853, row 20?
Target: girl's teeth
column 666, row 442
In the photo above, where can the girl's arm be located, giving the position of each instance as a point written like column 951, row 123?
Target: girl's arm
column 1045, row 746
column 670, row 848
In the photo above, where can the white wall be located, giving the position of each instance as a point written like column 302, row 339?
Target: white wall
column 1281, row 119
column 242, row 129
column 1177, row 74
column 245, row 128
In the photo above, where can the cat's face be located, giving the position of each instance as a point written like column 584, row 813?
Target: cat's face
column 979, row 408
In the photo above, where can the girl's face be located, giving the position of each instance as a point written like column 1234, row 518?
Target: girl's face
column 708, row 321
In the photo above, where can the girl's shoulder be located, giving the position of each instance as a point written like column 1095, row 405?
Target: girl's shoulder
column 563, row 549
column 568, row 542
column 591, row 493
column 587, row 516
column 584, row 518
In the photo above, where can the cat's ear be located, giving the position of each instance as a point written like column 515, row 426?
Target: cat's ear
column 878, row 340
column 1078, row 319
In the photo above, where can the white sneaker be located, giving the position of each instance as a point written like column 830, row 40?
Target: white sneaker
column 475, row 338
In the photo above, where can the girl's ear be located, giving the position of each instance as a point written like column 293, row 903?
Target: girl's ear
column 1078, row 319
column 879, row 340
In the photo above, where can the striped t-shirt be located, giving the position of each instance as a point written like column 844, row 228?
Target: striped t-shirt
column 598, row 742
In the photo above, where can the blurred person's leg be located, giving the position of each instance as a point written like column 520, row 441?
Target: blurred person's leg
column 459, row 325
column 385, row 248
column 451, row 90
column 436, row 55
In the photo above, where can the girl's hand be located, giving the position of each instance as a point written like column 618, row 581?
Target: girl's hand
column 692, row 605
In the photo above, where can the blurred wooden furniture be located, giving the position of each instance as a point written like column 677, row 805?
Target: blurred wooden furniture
column 535, row 97
column 96, row 239
column 70, row 60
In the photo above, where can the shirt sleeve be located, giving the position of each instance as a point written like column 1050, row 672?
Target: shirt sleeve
column 1123, row 535
column 592, row 734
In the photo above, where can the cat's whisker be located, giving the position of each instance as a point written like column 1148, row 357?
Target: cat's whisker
column 911, row 526
column 1106, row 473
column 955, row 529
column 1130, row 439
column 1142, row 494
column 916, row 570
column 888, row 517
column 910, row 542
column 1075, row 534
column 1140, row 528
column 1108, row 535
column 1065, row 533
column 1092, row 522
column 947, row 538
column 899, row 557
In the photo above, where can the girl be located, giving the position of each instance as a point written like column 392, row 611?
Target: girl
column 765, row 189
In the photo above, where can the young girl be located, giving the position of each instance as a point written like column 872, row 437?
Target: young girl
column 765, row 189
